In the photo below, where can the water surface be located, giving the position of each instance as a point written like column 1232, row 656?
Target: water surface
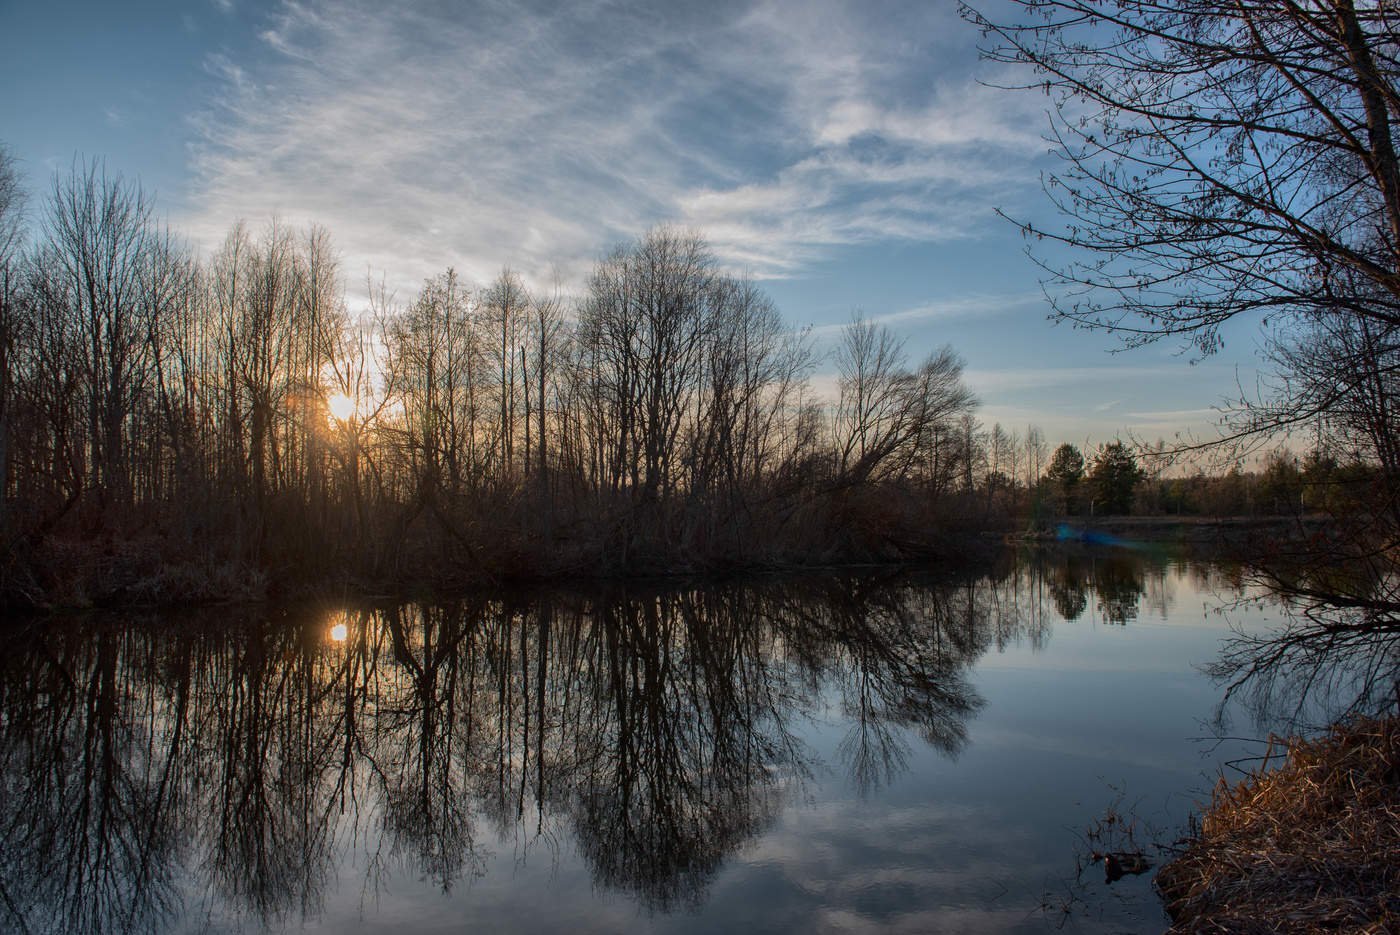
column 841, row 753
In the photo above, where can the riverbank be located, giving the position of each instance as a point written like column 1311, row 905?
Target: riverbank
column 154, row 571
column 163, row 569
column 1232, row 531
column 1310, row 845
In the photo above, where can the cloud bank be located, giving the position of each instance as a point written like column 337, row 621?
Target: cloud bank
column 428, row 134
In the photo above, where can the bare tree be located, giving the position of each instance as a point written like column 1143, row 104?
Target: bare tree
column 1034, row 459
column 888, row 417
column 319, row 315
column 239, row 412
column 1237, row 160
column 546, row 333
column 169, row 298
column 506, row 305
column 49, row 380
column 645, row 328
column 11, row 238
column 1219, row 158
column 100, row 229
column 432, row 365
column 872, row 418
column 229, row 272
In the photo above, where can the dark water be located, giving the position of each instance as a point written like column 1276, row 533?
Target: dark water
column 845, row 753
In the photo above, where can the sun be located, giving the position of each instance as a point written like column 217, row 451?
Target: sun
column 341, row 406
column 339, row 632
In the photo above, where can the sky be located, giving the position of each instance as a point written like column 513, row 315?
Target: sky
column 850, row 157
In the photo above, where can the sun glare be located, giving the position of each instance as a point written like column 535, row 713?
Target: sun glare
column 339, row 632
column 341, row 406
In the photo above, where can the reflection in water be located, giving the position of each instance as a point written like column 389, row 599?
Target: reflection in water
column 1120, row 580
column 225, row 765
column 1335, row 654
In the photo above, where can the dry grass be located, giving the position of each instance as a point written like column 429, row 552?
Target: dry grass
column 1310, row 846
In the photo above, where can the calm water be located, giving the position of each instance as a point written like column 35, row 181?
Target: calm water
column 848, row 753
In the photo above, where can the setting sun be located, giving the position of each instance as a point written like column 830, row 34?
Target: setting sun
column 339, row 632
column 341, row 406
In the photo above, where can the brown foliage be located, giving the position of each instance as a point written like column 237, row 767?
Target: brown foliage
column 1313, row 845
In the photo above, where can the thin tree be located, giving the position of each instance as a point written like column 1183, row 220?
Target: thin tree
column 11, row 240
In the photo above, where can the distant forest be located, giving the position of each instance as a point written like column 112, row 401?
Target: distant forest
column 182, row 429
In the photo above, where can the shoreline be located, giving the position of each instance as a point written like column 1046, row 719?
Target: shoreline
column 1306, row 845
column 141, row 572
column 1185, row 529
column 136, row 576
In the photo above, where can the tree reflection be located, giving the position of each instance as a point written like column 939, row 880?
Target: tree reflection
column 160, row 770
column 906, row 651
column 1117, row 579
column 422, row 723
column 1335, row 654
column 268, row 846
column 87, row 833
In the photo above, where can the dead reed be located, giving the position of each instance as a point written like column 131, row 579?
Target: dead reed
column 1312, row 845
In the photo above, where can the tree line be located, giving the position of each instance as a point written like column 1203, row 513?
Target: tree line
column 1120, row 481
column 182, row 425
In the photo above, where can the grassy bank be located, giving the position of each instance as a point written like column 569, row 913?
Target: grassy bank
column 1308, row 845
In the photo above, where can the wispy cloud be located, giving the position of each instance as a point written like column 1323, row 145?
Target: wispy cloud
column 969, row 306
column 1044, row 378
column 980, row 306
column 536, row 135
column 1173, row 416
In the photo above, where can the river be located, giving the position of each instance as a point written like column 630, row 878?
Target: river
column 844, row 752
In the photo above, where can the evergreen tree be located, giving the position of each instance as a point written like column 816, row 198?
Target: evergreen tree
column 1113, row 477
column 1063, row 475
column 1066, row 467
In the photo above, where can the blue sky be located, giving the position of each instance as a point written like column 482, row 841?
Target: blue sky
column 846, row 155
